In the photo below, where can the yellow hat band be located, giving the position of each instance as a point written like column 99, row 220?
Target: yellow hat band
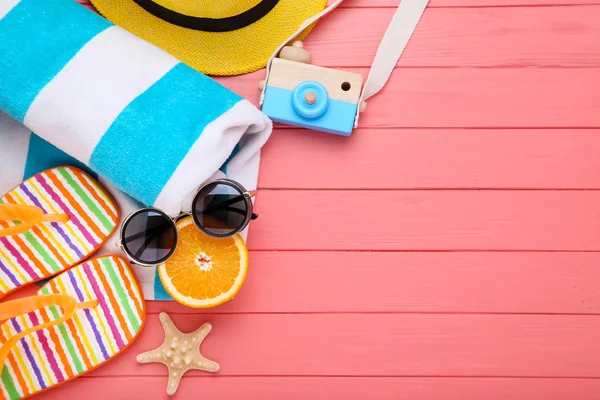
column 226, row 24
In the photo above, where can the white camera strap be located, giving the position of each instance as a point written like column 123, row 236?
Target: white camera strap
column 390, row 49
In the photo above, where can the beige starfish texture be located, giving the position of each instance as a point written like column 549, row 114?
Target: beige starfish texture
column 180, row 352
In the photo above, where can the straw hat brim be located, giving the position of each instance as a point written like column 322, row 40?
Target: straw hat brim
column 215, row 53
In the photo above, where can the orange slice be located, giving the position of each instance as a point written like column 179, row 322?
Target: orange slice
column 204, row 271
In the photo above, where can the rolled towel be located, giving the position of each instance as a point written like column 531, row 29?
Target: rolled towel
column 149, row 124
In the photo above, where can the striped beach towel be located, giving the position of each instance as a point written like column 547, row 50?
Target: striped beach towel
column 154, row 127
column 150, row 128
column 92, row 336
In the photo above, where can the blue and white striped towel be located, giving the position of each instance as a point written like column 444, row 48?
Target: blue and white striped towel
column 97, row 96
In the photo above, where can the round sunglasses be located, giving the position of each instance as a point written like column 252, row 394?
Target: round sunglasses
column 220, row 209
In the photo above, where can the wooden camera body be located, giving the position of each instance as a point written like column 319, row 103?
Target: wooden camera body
column 309, row 96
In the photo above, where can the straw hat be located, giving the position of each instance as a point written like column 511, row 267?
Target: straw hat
column 217, row 37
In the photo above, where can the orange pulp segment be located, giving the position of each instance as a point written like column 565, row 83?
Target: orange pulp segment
column 204, row 271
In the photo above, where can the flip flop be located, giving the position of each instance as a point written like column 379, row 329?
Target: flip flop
column 103, row 312
column 51, row 222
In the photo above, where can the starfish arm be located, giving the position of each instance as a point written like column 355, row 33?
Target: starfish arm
column 150, row 356
column 200, row 333
column 168, row 325
column 204, row 364
column 174, row 380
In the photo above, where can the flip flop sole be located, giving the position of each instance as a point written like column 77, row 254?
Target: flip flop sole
column 63, row 352
column 50, row 248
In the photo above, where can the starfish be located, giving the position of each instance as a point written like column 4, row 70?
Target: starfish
column 180, row 352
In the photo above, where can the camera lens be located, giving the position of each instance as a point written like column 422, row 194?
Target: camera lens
column 310, row 99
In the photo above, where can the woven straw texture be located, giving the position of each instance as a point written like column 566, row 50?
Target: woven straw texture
column 228, row 53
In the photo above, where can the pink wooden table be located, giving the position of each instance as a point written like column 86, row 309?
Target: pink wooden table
column 448, row 250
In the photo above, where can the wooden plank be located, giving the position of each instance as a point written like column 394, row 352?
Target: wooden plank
column 465, row 37
column 474, row 98
column 427, row 220
column 384, row 345
column 355, row 388
column 472, row 159
column 413, row 282
column 305, row 282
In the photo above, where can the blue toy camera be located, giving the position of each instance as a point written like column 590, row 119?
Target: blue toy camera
column 309, row 96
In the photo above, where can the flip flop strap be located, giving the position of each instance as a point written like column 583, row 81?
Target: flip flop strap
column 15, row 308
column 28, row 215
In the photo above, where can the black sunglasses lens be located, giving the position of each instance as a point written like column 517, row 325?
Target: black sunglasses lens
column 149, row 237
column 220, row 209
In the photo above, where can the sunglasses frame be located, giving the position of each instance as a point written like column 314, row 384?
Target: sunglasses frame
column 247, row 199
column 250, row 216
column 133, row 258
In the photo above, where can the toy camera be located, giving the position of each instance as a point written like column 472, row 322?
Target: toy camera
column 309, row 96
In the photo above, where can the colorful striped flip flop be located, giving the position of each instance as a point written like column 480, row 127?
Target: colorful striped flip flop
column 44, row 244
column 104, row 313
